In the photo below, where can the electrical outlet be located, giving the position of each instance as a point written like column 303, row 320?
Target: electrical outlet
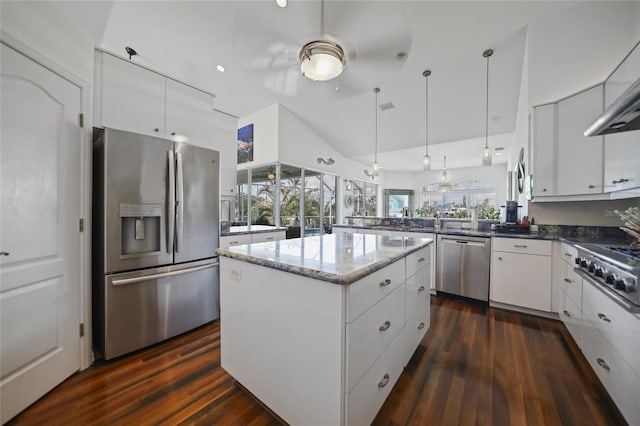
column 236, row 275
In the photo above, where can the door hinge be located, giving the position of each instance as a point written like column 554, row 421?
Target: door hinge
column 81, row 329
column 81, row 225
column 81, row 119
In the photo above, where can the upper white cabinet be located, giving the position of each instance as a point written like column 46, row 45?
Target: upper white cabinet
column 543, row 123
column 133, row 98
column 622, row 150
column 129, row 97
column 565, row 162
column 579, row 156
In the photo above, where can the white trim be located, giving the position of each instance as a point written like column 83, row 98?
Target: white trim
column 86, row 354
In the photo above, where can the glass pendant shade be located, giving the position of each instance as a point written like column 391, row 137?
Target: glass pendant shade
column 426, row 163
column 376, row 169
column 486, row 156
column 445, row 184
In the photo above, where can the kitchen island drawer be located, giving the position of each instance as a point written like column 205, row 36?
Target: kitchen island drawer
column 372, row 332
column 618, row 326
column 572, row 286
column 366, row 292
column 365, row 400
column 571, row 316
column 418, row 260
column 417, row 290
column 522, row 245
column 415, row 328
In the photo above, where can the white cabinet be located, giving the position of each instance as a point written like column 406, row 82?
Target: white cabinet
column 543, row 132
column 263, row 237
column 133, row 98
column 248, row 238
column 128, row 97
column 579, row 164
column 622, row 150
column 234, row 240
column 521, row 273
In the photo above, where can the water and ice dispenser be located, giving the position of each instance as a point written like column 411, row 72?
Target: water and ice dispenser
column 141, row 227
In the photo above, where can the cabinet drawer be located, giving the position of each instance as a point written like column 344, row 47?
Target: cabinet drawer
column 415, row 329
column 370, row 334
column 615, row 374
column 520, row 245
column 418, row 260
column 262, row 237
column 568, row 253
column 365, row 400
column 366, row 292
column 572, row 285
column 571, row 316
column 234, row 240
column 619, row 327
column 417, row 290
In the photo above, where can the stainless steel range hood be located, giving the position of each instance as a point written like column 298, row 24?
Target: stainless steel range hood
column 622, row 116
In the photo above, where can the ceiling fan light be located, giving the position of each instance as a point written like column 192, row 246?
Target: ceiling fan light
column 426, row 163
column 486, row 156
column 321, row 60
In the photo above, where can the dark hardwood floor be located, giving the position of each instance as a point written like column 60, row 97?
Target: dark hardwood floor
column 476, row 365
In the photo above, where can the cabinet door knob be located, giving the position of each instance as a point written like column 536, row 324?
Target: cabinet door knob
column 499, row 258
column 567, row 313
column 421, row 259
column 421, row 326
column 385, row 283
column 544, row 189
column 384, row 381
column 603, row 317
column 173, row 133
column 591, row 186
column 421, row 288
column 385, row 326
column 156, row 130
column 603, row 364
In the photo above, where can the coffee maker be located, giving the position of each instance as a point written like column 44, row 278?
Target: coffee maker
column 511, row 213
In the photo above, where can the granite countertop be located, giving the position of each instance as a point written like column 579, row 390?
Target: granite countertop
column 255, row 229
column 341, row 258
column 451, row 231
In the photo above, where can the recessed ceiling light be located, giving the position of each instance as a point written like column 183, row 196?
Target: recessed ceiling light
column 220, row 68
column 281, row 3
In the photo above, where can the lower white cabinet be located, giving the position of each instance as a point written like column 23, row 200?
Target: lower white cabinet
column 521, row 273
column 571, row 316
column 263, row 237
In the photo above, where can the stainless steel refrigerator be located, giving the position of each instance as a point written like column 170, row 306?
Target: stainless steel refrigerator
column 155, row 231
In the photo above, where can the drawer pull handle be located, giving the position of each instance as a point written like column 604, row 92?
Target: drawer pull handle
column 233, row 242
column 520, row 245
column 591, row 186
column 603, row 317
column 421, row 288
column 421, row 326
column 567, row 313
column 567, row 280
column 422, row 259
column 156, row 130
column 385, row 326
column 269, row 238
column 500, row 258
column 384, row 381
column 385, row 283
column 603, row 364
column 4, row 253
column 568, row 254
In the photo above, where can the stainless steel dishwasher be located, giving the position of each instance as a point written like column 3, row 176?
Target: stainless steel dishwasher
column 462, row 266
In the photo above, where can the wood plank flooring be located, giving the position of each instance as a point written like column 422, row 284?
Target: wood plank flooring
column 476, row 365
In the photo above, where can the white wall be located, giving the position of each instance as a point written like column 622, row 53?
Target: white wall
column 579, row 47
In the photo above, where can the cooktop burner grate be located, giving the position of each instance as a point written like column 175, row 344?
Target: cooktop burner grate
column 632, row 252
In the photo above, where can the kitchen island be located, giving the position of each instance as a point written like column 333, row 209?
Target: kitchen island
column 320, row 328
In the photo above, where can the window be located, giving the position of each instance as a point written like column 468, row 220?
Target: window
column 395, row 200
column 459, row 200
column 364, row 195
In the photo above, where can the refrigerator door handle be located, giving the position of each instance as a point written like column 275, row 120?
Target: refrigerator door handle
column 179, row 201
column 171, row 201
column 136, row 280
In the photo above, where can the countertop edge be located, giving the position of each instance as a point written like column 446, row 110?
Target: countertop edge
column 467, row 232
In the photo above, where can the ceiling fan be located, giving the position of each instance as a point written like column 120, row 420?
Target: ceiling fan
column 365, row 43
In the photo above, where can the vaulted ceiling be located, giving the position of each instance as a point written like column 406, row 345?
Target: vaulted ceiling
column 389, row 44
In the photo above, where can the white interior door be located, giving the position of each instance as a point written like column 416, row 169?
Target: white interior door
column 39, row 235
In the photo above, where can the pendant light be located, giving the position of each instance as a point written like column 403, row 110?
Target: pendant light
column 426, row 160
column 445, row 184
column 376, row 166
column 486, row 153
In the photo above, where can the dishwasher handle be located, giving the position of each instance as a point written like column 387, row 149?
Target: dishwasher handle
column 463, row 242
